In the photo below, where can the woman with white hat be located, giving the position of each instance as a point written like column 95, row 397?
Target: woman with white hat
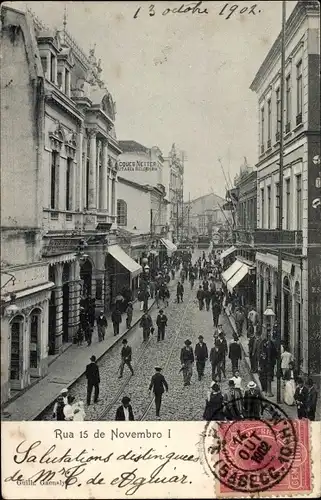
column 253, row 401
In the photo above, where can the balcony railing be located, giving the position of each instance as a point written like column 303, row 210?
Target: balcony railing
column 285, row 239
column 289, row 241
column 298, row 119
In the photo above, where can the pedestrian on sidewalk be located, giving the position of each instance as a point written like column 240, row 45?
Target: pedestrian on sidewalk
column 158, row 385
column 161, row 322
column 289, row 377
column 254, row 351
column 216, row 311
column 152, row 288
column 79, row 413
column 116, row 320
column 129, row 315
column 233, row 403
column 301, row 399
column 192, row 278
column 157, row 298
column 201, row 356
column 235, row 353
column 253, row 318
column 187, row 360
column 93, row 380
column 311, row 400
column 167, row 296
column 214, row 406
column 237, row 383
column 179, row 292
column 214, row 360
column 101, row 326
column 64, row 394
column 239, row 321
column 200, row 298
column 80, row 336
column 222, row 351
column 146, row 323
column 91, row 311
column 68, row 409
column 125, row 411
column 126, row 358
column 207, row 295
column 286, row 359
column 253, row 402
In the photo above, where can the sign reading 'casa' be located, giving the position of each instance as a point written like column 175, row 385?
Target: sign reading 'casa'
column 137, row 165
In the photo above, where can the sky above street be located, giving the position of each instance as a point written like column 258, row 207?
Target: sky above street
column 179, row 77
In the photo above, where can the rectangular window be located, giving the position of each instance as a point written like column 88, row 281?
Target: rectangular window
column 53, row 180
column 299, row 202
column 269, row 117
column 59, row 79
column 288, row 203
column 299, row 92
column 277, row 203
column 44, row 65
column 68, row 183
column 269, row 206
column 278, row 110
column 52, row 68
column 288, row 103
column 262, row 208
column 262, row 128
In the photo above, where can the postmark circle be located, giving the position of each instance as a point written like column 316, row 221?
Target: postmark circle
column 250, row 456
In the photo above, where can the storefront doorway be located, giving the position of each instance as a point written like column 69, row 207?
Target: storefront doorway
column 65, row 302
column 86, row 271
column 286, row 312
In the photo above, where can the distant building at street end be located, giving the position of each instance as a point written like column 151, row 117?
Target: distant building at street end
column 205, row 216
column 300, row 238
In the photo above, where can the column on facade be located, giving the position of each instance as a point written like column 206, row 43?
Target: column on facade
column 74, row 300
column 110, row 193
column 92, row 191
column 58, row 303
column 98, row 174
column 114, row 195
column 103, row 204
column 78, row 175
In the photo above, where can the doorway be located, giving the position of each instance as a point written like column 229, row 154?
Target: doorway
column 86, row 271
column 65, row 302
column 286, row 312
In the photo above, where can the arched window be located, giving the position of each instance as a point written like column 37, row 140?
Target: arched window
column 35, row 326
column 121, row 213
column 16, row 347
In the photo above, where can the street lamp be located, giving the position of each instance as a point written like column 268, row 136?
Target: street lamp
column 269, row 316
column 12, row 308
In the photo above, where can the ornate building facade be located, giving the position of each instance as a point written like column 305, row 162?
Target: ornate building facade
column 60, row 192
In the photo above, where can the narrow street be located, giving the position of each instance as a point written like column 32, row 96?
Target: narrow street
column 185, row 321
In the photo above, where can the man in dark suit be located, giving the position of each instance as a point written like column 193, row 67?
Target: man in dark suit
column 125, row 411
column 161, row 323
column 179, row 292
column 126, row 357
column 235, row 353
column 201, row 355
column 93, row 380
column 301, row 399
column 158, row 384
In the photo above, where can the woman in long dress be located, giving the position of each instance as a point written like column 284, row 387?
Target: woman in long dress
column 289, row 386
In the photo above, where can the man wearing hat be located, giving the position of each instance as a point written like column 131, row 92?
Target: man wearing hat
column 161, row 323
column 101, row 326
column 125, row 411
column 158, row 384
column 126, row 357
column 201, row 355
column 187, row 360
column 253, row 404
column 93, row 379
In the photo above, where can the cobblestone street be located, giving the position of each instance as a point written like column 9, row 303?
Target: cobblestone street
column 185, row 321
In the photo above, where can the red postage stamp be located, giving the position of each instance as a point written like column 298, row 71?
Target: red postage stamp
column 270, row 456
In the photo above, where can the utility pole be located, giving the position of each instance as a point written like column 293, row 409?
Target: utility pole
column 151, row 222
column 189, row 208
column 280, row 213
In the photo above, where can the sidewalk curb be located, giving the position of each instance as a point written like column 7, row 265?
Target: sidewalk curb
column 109, row 348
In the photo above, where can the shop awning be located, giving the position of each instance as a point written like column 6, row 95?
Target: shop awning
column 125, row 260
column 238, row 276
column 169, row 245
column 229, row 273
column 227, row 252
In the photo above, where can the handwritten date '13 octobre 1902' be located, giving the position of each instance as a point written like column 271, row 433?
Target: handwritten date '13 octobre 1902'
column 198, row 8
